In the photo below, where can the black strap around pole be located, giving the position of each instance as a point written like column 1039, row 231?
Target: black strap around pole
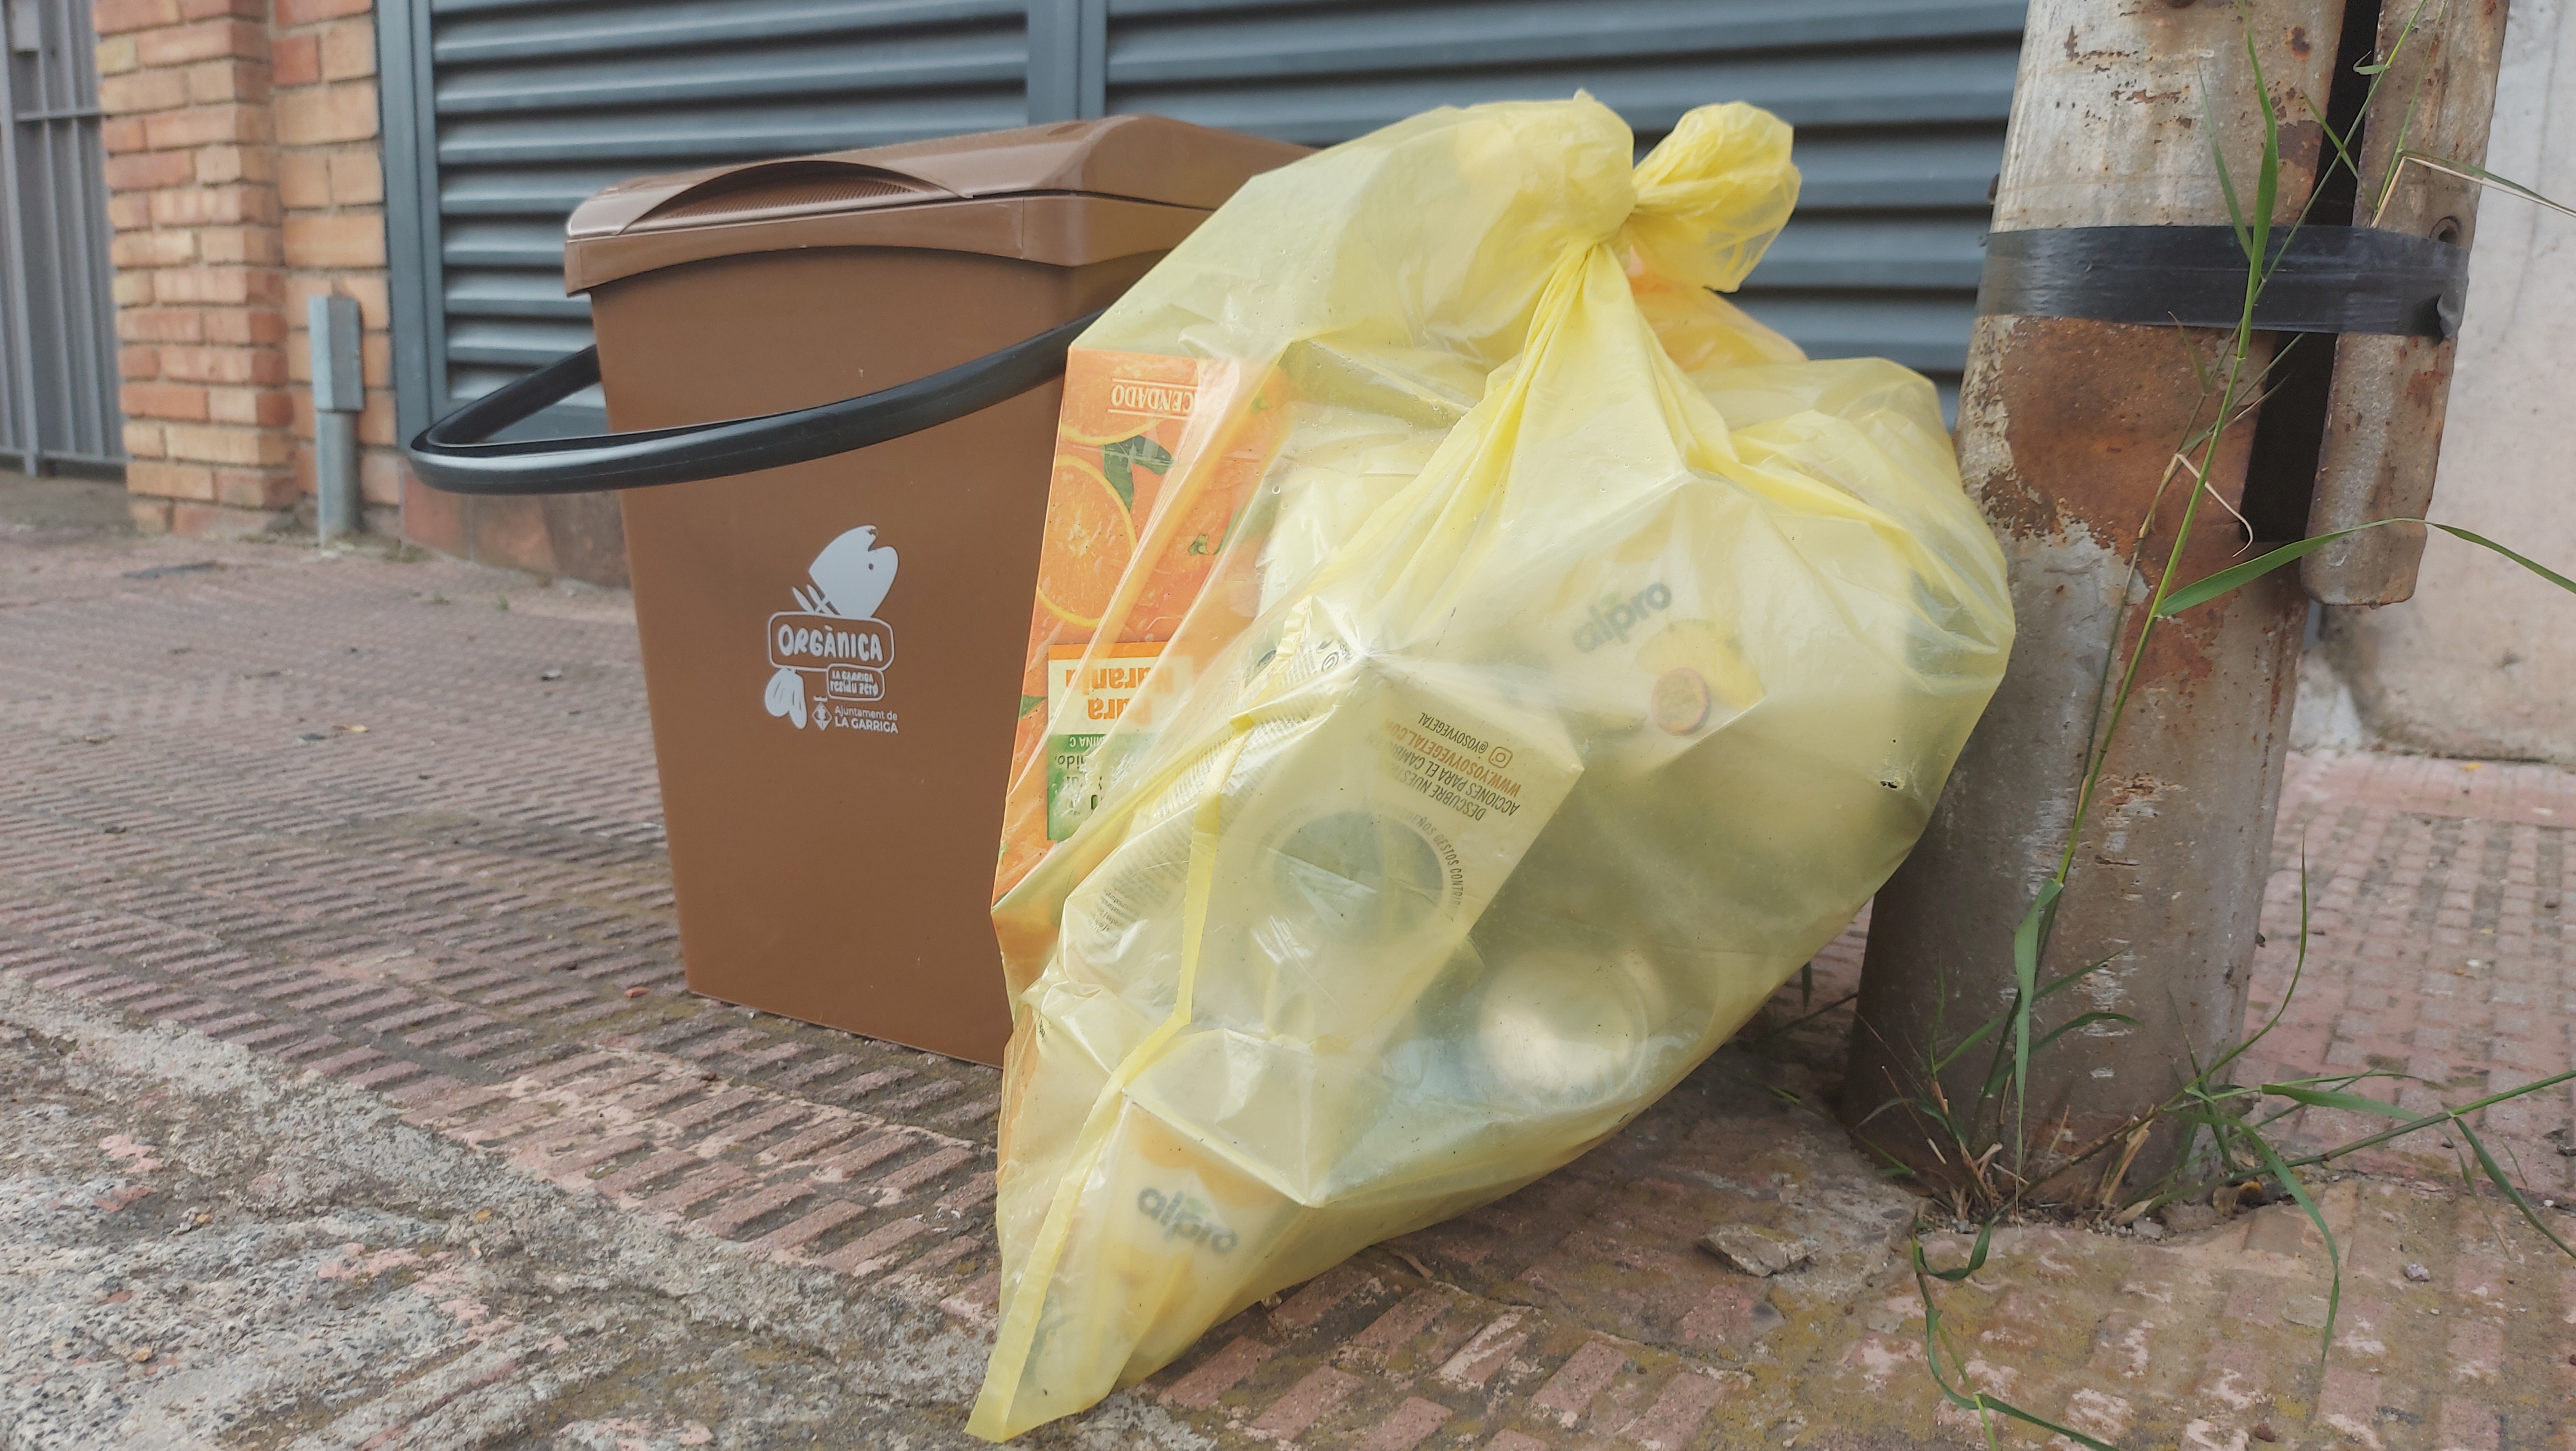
column 2323, row 279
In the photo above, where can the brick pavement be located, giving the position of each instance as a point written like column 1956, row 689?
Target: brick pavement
column 2437, row 949
column 464, row 907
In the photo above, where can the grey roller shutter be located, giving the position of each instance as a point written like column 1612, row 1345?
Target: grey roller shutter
column 58, row 373
column 1899, row 104
column 504, row 114
column 501, row 114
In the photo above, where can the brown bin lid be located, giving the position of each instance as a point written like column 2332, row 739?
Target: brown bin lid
column 1069, row 193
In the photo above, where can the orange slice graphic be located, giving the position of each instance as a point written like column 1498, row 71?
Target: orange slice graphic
column 1119, row 432
column 1089, row 540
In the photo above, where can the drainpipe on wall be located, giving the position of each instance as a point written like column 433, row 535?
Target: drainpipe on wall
column 339, row 395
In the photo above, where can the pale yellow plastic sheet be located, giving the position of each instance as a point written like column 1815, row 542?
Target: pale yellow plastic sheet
column 1569, row 662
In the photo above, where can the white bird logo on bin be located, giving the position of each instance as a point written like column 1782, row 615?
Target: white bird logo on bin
column 850, row 579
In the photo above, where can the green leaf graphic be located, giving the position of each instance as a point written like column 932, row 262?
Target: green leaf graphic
column 1119, row 462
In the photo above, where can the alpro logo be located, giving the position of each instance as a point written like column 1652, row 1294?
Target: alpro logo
column 828, row 657
column 1185, row 1216
column 1612, row 617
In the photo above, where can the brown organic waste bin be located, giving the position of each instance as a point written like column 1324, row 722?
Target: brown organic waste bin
column 832, row 638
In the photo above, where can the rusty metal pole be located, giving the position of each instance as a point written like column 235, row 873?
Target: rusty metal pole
column 2066, row 427
column 2383, row 418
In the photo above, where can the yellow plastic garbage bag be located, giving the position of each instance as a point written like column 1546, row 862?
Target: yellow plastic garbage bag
column 1473, row 667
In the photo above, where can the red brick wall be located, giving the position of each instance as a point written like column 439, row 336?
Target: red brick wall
column 331, row 180
column 245, row 175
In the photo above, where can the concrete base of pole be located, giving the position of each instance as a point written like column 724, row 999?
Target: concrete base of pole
column 2172, row 862
column 335, row 474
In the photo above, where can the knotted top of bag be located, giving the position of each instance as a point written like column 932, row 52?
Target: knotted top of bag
column 1439, row 232
column 1712, row 195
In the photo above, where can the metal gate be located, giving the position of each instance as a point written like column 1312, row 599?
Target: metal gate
column 501, row 115
column 57, row 313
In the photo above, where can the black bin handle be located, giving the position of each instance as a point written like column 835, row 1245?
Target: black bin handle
column 455, row 454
